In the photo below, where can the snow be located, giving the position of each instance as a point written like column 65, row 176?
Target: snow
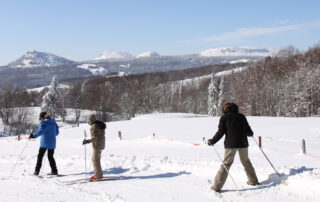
column 39, row 89
column 114, row 55
column 93, row 68
column 235, row 51
column 148, row 54
column 237, row 61
column 228, row 72
column 169, row 166
column 35, row 58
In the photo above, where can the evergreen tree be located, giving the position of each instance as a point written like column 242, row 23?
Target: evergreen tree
column 214, row 93
column 50, row 99
column 221, row 96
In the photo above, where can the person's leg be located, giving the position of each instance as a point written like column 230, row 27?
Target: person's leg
column 222, row 174
column 96, row 155
column 41, row 153
column 52, row 162
column 251, row 174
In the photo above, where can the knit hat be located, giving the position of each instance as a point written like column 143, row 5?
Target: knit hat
column 42, row 115
column 230, row 107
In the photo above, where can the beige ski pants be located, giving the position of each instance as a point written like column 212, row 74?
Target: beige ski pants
column 229, row 154
column 96, row 155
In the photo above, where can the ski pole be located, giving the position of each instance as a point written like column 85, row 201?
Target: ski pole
column 18, row 159
column 225, row 167
column 267, row 157
column 85, row 153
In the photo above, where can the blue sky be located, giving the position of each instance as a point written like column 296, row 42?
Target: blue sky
column 81, row 30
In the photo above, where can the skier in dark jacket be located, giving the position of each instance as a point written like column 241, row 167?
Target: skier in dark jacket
column 48, row 130
column 235, row 127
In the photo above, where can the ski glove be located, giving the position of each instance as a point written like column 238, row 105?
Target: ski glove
column 86, row 141
column 210, row 142
column 31, row 136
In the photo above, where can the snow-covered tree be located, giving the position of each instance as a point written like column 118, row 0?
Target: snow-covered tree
column 50, row 99
column 214, row 93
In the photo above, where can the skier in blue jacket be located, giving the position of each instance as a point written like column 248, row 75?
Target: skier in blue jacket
column 48, row 130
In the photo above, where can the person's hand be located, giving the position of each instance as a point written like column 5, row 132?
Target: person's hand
column 250, row 134
column 31, row 135
column 85, row 141
column 210, row 142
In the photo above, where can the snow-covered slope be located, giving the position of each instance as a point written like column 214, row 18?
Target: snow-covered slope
column 37, row 59
column 234, row 51
column 114, row 55
column 148, row 54
column 173, row 165
column 93, row 68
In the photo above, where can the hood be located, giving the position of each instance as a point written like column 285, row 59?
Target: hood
column 91, row 119
column 100, row 124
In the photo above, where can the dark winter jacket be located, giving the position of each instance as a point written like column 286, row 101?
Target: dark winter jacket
column 48, row 130
column 235, row 126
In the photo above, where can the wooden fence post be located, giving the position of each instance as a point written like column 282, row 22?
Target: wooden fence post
column 260, row 142
column 119, row 135
column 303, row 146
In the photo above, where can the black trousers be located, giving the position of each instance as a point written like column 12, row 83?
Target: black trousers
column 52, row 162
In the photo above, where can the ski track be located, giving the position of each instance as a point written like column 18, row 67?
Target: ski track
column 164, row 169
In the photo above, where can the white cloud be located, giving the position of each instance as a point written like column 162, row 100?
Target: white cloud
column 249, row 32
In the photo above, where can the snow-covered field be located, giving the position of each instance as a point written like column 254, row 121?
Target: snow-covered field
column 168, row 167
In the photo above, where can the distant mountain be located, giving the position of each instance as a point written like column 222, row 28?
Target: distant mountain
column 253, row 52
column 39, row 59
column 114, row 55
column 148, row 54
column 116, row 63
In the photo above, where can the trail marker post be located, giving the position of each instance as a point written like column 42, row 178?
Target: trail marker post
column 119, row 135
column 303, row 146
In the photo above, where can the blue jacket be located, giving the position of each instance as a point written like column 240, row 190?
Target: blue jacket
column 48, row 130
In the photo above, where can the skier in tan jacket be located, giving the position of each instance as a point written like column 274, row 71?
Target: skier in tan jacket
column 97, row 132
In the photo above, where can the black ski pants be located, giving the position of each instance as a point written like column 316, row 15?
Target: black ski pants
column 52, row 162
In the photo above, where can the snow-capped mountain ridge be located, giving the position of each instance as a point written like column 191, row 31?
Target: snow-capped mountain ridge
column 35, row 58
column 148, row 54
column 114, row 55
column 235, row 51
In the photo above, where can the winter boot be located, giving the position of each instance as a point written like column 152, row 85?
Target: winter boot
column 94, row 178
column 36, row 173
column 253, row 183
column 215, row 189
column 53, row 173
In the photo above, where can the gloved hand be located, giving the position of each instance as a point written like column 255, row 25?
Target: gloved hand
column 31, row 135
column 210, row 142
column 85, row 141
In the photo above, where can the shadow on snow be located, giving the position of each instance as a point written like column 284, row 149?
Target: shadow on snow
column 274, row 180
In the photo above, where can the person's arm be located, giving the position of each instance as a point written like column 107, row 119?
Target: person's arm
column 247, row 127
column 41, row 129
column 92, row 134
column 221, row 131
column 57, row 129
